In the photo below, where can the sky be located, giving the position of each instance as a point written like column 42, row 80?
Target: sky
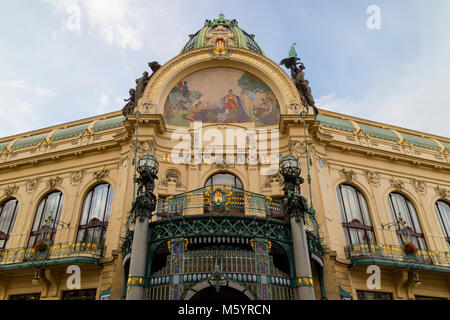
column 64, row 60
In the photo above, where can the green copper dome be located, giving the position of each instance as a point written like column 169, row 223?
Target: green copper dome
column 223, row 28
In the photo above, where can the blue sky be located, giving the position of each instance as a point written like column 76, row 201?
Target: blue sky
column 54, row 70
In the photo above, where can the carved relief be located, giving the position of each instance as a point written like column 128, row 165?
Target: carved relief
column 419, row 185
column 442, row 192
column 293, row 108
column 348, row 175
column 148, row 107
column 397, row 184
column 373, row 177
column 32, row 184
column 145, row 147
column 10, row 190
column 100, row 174
column 297, row 148
column 172, row 176
column 223, row 166
column 273, row 179
column 220, row 32
column 77, row 176
column 53, row 182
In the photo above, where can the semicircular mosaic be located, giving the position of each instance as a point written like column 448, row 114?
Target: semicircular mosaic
column 221, row 95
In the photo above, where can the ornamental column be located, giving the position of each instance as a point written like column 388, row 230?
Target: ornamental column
column 295, row 205
column 143, row 206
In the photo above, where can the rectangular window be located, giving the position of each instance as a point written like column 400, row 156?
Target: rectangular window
column 29, row 296
column 371, row 295
column 86, row 294
column 428, row 298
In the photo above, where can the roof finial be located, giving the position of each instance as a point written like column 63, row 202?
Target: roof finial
column 221, row 16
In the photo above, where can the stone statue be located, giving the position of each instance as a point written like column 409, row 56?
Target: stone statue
column 131, row 105
column 292, row 62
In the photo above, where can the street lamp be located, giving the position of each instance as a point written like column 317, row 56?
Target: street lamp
column 296, row 206
column 148, row 162
column 143, row 206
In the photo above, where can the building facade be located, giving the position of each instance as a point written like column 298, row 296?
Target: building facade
column 218, row 117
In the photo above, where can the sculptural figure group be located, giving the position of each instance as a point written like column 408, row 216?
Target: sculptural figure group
column 298, row 76
column 136, row 94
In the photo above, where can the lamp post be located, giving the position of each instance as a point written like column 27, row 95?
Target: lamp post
column 143, row 206
column 296, row 207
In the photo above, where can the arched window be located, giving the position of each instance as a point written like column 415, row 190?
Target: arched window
column 95, row 215
column 400, row 206
column 236, row 204
column 226, row 179
column 8, row 211
column 443, row 211
column 354, row 215
column 50, row 206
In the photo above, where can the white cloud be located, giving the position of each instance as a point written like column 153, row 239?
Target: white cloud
column 108, row 103
column 19, row 102
column 413, row 95
column 130, row 23
column 119, row 22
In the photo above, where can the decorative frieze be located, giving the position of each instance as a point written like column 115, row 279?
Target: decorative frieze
column 373, row 177
column 10, row 190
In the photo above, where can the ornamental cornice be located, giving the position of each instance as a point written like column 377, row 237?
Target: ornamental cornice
column 13, row 161
column 415, row 158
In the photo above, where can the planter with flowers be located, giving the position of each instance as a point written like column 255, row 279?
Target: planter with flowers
column 409, row 249
column 40, row 250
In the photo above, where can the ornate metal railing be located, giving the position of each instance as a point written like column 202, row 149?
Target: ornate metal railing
column 237, row 266
column 231, row 261
column 54, row 251
column 220, row 199
column 393, row 253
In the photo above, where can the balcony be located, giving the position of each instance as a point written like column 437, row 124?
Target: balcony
column 61, row 253
column 227, row 211
column 394, row 256
column 220, row 199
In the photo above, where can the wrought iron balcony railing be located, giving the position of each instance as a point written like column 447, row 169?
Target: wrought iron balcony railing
column 30, row 256
column 220, row 199
column 394, row 255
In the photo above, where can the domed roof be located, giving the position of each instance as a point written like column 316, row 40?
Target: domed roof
column 225, row 29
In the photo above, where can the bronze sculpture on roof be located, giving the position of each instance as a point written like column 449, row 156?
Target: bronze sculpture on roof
column 136, row 94
column 292, row 62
